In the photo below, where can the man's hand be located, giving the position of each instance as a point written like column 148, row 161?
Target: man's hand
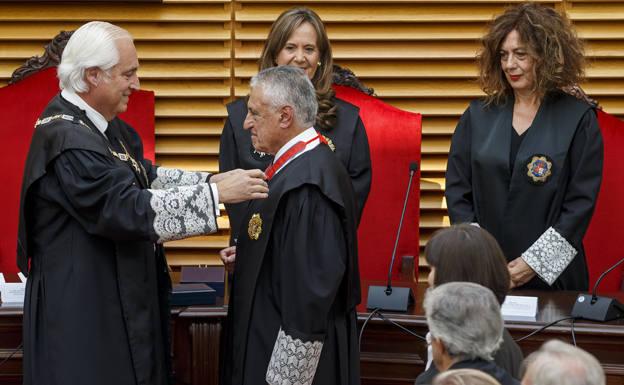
column 228, row 257
column 520, row 272
column 241, row 185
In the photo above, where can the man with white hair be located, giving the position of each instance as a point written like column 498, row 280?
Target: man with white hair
column 558, row 363
column 296, row 281
column 94, row 214
column 466, row 328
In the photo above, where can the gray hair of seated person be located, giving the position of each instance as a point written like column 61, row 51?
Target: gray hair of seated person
column 466, row 317
column 94, row 44
column 559, row 363
column 464, row 377
column 289, row 86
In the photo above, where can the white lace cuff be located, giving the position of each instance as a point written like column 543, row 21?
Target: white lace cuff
column 549, row 255
column 183, row 212
column 293, row 361
column 173, row 177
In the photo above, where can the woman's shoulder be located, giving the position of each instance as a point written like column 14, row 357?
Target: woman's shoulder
column 345, row 108
column 238, row 106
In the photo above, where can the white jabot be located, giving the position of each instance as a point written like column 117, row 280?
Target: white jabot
column 100, row 122
column 304, row 136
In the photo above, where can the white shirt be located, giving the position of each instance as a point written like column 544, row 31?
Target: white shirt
column 304, row 136
column 100, row 122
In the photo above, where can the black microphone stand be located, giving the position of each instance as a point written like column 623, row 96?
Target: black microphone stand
column 389, row 298
column 592, row 307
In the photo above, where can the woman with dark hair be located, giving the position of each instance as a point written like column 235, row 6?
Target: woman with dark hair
column 467, row 253
column 526, row 161
column 298, row 38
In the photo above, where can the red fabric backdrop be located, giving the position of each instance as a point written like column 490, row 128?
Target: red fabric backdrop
column 603, row 245
column 394, row 137
column 23, row 103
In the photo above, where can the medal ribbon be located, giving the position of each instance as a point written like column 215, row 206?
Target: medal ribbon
column 289, row 154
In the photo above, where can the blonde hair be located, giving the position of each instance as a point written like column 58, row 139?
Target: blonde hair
column 464, row 377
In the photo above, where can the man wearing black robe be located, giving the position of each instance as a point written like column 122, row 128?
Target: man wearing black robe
column 93, row 216
column 292, row 308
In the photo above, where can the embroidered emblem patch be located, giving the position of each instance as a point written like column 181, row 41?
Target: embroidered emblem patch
column 255, row 227
column 539, row 169
column 330, row 143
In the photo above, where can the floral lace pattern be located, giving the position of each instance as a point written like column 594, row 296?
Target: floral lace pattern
column 549, row 255
column 173, row 177
column 293, row 361
column 183, row 211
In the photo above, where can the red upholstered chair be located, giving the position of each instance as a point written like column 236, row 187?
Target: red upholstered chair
column 394, row 138
column 603, row 242
column 22, row 104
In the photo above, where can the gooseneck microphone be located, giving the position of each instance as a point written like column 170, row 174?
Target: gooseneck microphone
column 597, row 308
column 389, row 298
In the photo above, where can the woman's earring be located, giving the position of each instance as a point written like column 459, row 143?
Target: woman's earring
column 319, row 64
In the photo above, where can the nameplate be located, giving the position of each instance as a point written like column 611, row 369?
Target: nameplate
column 519, row 308
column 12, row 293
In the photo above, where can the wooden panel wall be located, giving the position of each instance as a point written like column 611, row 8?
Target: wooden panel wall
column 417, row 54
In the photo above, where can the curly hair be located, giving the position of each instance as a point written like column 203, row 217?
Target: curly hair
column 281, row 30
column 551, row 41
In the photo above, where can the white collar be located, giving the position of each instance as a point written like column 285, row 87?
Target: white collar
column 98, row 119
column 303, row 136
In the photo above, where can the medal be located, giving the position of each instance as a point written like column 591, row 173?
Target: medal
column 255, row 227
column 329, row 143
column 539, row 169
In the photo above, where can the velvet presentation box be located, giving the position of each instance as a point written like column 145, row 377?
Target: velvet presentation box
column 213, row 276
column 187, row 294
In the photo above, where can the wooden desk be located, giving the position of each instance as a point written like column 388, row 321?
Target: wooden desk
column 389, row 355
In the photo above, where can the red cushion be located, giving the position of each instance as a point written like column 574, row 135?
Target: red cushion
column 394, row 137
column 603, row 245
column 23, row 103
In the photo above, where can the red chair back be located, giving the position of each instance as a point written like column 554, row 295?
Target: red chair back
column 394, row 138
column 23, row 102
column 603, row 245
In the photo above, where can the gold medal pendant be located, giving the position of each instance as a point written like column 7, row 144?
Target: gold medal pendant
column 255, row 227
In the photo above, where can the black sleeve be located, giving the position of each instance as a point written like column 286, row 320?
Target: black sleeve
column 359, row 168
column 586, row 158
column 458, row 190
column 310, row 267
column 105, row 198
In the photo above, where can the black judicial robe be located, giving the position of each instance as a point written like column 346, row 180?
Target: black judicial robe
column 298, row 283
column 348, row 137
column 96, row 309
column 541, row 208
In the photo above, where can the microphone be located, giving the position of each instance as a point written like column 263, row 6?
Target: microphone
column 389, row 298
column 597, row 308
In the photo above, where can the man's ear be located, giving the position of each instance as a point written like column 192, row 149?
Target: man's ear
column 93, row 76
column 287, row 116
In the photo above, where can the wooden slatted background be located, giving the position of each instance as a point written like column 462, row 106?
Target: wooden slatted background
column 418, row 55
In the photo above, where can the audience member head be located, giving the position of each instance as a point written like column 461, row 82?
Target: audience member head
column 464, row 321
column 298, row 38
column 100, row 63
column 464, row 377
column 530, row 48
column 281, row 104
column 467, row 253
column 559, row 363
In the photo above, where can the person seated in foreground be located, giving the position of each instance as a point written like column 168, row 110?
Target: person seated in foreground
column 466, row 327
column 465, row 377
column 559, row 363
column 453, row 254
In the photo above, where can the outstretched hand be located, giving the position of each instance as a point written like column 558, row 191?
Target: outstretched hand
column 241, row 185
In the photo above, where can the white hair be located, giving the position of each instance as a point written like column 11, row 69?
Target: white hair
column 466, row 317
column 289, row 86
column 92, row 45
column 558, row 363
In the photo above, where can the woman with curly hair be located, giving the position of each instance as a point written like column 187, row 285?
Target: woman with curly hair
column 526, row 161
column 298, row 38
